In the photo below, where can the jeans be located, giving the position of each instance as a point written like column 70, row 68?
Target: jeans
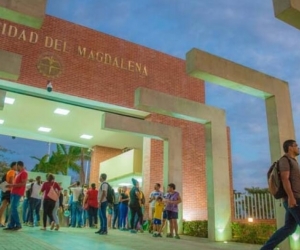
column 136, row 210
column 48, row 206
column 93, row 220
column 25, row 210
column 14, row 216
column 34, row 208
column 123, row 215
column 54, row 213
column 76, row 214
column 102, row 216
column 116, row 215
column 292, row 220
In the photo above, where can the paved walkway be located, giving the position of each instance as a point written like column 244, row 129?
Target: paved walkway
column 79, row 239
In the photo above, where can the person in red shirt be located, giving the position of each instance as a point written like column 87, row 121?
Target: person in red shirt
column 91, row 199
column 49, row 203
column 17, row 191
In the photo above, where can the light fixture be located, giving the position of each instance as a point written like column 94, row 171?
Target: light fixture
column 250, row 219
column 9, row 100
column 125, row 184
column 1, row 121
column 44, row 129
column 61, row 111
column 88, row 137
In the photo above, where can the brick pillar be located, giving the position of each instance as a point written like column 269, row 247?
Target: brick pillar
column 101, row 154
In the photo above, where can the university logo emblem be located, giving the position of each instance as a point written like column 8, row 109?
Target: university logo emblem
column 49, row 65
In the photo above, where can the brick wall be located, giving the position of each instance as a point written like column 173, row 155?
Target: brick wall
column 100, row 154
column 91, row 79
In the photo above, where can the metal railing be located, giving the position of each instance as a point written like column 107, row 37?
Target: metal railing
column 256, row 206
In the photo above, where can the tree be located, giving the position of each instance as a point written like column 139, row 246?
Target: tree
column 257, row 190
column 43, row 165
column 4, row 167
column 62, row 160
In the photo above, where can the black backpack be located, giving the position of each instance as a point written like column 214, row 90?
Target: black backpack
column 110, row 197
column 29, row 191
column 274, row 180
column 81, row 197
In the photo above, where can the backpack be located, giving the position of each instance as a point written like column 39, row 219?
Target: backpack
column 81, row 197
column 274, row 181
column 110, row 197
column 29, row 191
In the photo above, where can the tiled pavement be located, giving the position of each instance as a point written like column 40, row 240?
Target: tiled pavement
column 79, row 239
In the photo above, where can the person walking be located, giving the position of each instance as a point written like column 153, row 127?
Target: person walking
column 49, row 200
column 290, row 177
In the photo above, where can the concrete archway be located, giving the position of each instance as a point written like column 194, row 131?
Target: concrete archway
column 217, row 158
column 274, row 91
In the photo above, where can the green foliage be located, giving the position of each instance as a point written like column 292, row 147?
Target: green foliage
column 241, row 232
column 257, row 190
column 252, row 233
column 196, row 228
column 4, row 167
column 60, row 161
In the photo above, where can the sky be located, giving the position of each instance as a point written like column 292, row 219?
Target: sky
column 243, row 31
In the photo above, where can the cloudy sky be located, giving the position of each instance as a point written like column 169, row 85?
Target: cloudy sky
column 243, row 31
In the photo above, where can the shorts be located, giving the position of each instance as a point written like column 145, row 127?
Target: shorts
column 156, row 221
column 6, row 196
column 172, row 215
column 110, row 210
column 165, row 215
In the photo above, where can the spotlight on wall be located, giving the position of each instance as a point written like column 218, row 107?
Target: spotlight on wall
column 49, row 86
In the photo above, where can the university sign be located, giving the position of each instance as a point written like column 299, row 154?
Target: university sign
column 50, row 66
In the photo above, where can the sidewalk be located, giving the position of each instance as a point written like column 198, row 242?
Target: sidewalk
column 85, row 238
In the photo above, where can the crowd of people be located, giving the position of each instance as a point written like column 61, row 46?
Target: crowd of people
column 80, row 205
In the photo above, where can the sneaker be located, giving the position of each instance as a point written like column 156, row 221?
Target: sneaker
column 56, row 227
column 16, row 228
column 141, row 231
column 133, row 231
column 155, row 235
column 52, row 225
column 176, row 236
column 169, row 236
column 103, row 233
column 159, row 235
column 8, row 228
column 99, row 231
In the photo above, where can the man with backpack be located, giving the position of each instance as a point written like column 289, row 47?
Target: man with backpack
column 105, row 197
column 290, row 178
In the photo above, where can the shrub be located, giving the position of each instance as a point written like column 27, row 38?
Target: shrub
column 257, row 233
column 252, row 233
column 195, row 228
